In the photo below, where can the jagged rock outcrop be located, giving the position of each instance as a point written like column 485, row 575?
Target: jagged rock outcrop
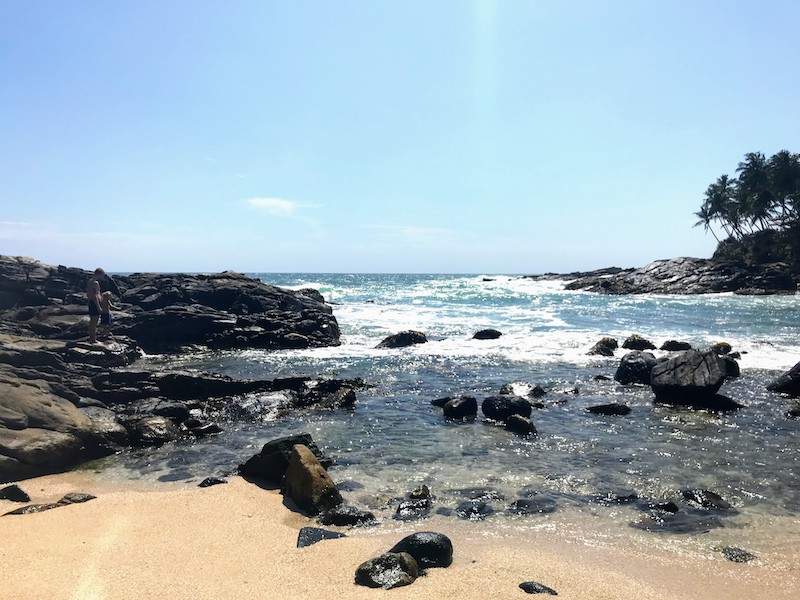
column 163, row 312
column 687, row 275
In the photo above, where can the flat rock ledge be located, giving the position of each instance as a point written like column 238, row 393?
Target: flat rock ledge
column 687, row 275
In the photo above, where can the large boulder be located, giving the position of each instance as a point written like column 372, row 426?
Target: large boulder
column 500, row 408
column 308, row 484
column 271, row 463
column 691, row 378
column 40, row 431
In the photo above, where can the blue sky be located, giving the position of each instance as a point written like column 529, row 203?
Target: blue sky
column 450, row 136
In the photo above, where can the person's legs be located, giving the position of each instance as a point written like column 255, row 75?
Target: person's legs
column 93, row 319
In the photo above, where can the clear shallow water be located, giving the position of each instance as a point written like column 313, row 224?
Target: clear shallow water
column 394, row 440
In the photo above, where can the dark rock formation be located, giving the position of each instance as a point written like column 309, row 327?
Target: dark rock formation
column 347, row 516
column 523, row 389
column 474, row 510
column 692, row 378
column 486, row 334
column 692, row 276
column 533, row 587
column 533, row 505
column 163, row 312
column 706, row 499
column 737, row 555
column 463, row 407
column 271, row 463
column 308, row 484
column 209, row 481
column 403, row 339
column 388, row 571
column 71, row 498
column 14, row 493
column 429, row 549
column 521, row 425
column 637, row 342
column 499, row 408
column 613, row 409
column 416, row 506
column 788, row 383
column 675, row 346
column 635, row 367
column 309, row 536
column 605, row 347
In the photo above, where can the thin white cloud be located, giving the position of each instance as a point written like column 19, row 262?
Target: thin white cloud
column 280, row 207
column 285, row 209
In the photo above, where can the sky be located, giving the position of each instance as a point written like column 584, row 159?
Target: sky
column 463, row 136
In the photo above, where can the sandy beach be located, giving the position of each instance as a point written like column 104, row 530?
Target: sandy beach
column 239, row 541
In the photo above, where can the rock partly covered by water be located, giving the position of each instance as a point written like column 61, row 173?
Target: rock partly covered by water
column 163, row 312
column 690, row 276
column 788, row 383
column 692, row 378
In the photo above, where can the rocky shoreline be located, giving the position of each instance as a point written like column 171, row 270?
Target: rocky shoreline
column 685, row 275
column 64, row 401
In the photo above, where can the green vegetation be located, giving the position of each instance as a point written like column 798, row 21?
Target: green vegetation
column 759, row 210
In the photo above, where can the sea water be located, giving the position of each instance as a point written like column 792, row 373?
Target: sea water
column 394, row 440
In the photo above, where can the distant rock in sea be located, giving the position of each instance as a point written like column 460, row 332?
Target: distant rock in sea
column 687, row 275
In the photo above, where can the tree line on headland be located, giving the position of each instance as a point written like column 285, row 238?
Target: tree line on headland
column 758, row 210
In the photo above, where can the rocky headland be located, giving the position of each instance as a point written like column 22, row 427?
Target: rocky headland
column 686, row 275
column 64, row 400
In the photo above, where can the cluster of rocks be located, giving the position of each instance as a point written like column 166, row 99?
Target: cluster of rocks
column 165, row 312
column 406, row 561
column 64, row 401
column 512, row 407
column 689, row 276
column 411, row 337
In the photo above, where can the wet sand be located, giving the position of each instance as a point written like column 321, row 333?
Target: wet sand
column 239, row 541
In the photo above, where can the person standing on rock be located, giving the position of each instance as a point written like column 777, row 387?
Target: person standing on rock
column 93, row 298
column 105, row 313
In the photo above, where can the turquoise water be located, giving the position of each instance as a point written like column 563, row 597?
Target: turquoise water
column 394, row 440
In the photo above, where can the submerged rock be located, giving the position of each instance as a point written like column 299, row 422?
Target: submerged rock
column 403, row 339
column 605, row 347
column 613, row 409
column 486, row 334
column 737, row 555
column 788, row 383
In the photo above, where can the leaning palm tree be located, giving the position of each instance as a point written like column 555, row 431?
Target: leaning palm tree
column 704, row 218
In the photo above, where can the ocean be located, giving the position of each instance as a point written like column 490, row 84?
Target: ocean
column 581, row 468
